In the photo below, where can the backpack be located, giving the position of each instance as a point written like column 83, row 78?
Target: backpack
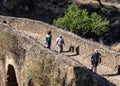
column 48, row 38
column 95, row 57
column 60, row 41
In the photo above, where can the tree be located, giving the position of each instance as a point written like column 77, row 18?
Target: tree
column 76, row 20
column 98, row 24
column 100, row 3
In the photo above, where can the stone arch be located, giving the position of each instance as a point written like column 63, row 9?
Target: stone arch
column 11, row 79
column 118, row 70
column 30, row 83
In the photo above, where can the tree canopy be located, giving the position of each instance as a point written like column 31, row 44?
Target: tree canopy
column 79, row 20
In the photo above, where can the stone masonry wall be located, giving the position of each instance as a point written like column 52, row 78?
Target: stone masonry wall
column 110, row 58
column 75, row 74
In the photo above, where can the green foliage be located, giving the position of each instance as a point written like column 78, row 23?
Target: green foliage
column 78, row 20
column 98, row 24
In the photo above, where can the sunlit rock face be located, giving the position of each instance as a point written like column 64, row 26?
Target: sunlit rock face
column 21, row 50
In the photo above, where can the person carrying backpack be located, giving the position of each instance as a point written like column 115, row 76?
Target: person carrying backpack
column 60, row 43
column 95, row 59
column 48, row 39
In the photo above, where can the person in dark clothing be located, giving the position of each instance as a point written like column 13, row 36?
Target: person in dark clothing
column 95, row 59
column 48, row 39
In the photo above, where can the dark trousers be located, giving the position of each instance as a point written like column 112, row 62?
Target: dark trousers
column 49, row 44
column 60, row 48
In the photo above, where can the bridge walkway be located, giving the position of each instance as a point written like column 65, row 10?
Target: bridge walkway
column 102, row 70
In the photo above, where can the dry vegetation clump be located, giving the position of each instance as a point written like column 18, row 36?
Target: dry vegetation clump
column 116, row 47
column 6, row 41
column 42, row 72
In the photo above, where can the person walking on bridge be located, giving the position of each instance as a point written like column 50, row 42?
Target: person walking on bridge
column 60, row 43
column 95, row 59
column 48, row 39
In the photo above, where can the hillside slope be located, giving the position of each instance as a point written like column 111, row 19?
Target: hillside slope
column 48, row 10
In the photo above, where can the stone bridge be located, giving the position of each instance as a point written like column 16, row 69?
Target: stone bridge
column 86, row 47
column 17, row 47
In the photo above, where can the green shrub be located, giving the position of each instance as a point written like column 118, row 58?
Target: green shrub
column 98, row 24
column 79, row 20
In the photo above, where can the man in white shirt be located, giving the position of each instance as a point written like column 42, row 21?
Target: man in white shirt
column 60, row 43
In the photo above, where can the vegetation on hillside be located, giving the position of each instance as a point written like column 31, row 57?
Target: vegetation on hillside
column 6, row 42
column 41, row 71
column 76, row 20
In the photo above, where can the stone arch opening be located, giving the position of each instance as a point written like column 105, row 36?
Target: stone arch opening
column 11, row 79
column 119, row 69
column 30, row 83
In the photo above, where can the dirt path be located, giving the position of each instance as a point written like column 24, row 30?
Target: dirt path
column 102, row 70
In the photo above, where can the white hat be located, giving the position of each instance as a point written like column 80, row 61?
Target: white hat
column 96, row 50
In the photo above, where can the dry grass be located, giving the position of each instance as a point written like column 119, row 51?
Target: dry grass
column 42, row 71
column 5, row 42
column 116, row 47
